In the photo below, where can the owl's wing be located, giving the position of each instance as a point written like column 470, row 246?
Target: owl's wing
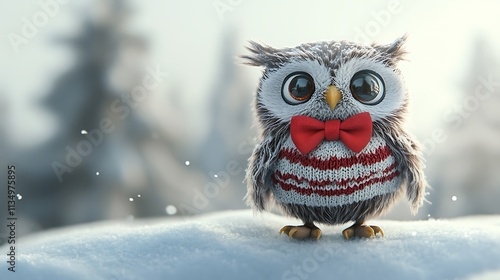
column 259, row 172
column 410, row 163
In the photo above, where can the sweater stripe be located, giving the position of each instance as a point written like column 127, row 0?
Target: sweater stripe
column 335, row 192
column 323, row 183
column 333, row 163
column 332, row 175
column 311, row 173
column 331, row 201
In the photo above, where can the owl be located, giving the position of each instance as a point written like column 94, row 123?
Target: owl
column 332, row 148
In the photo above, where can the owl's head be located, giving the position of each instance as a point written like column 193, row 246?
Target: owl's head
column 328, row 80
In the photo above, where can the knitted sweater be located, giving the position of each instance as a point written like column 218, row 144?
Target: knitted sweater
column 332, row 175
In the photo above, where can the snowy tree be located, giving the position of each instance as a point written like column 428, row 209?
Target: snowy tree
column 464, row 169
column 85, row 173
column 230, row 134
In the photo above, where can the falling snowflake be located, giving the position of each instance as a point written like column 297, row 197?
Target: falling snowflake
column 215, row 176
column 138, row 195
column 130, row 199
column 19, row 197
column 83, row 132
column 414, row 233
column 171, row 210
column 97, row 173
column 454, row 198
column 187, row 162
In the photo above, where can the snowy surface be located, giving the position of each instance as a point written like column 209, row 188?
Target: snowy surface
column 240, row 245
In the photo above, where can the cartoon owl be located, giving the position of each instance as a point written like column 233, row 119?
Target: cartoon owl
column 332, row 146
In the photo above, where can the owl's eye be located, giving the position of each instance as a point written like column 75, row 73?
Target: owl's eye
column 297, row 88
column 367, row 87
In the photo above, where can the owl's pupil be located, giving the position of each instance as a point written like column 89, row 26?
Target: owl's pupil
column 301, row 87
column 297, row 88
column 367, row 87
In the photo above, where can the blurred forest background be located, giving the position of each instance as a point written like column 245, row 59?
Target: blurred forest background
column 120, row 109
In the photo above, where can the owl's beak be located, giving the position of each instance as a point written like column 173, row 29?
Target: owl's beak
column 333, row 96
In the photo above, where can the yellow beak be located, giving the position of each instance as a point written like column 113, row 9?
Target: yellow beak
column 333, row 96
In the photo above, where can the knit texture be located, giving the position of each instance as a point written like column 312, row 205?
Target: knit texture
column 333, row 175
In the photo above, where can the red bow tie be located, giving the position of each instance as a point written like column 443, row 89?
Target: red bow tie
column 355, row 132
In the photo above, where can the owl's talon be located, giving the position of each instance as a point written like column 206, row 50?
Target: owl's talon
column 362, row 230
column 285, row 229
column 308, row 230
column 316, row 233
column 348, row 233
column 377, row 229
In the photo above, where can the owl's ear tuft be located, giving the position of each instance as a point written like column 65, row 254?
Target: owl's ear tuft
column 394, row 52
column 261, row 55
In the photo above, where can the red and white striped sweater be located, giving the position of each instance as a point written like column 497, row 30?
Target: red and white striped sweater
column 333, row 175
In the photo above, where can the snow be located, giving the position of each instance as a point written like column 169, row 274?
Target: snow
column 241, row 245
column 171, row 210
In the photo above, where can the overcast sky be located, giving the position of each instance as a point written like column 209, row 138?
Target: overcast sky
column 185, row 38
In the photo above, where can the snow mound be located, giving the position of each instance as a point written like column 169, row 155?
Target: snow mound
column 240, row 245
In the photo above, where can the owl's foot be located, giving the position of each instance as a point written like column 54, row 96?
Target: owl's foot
column 361, row 230
column 308, row 230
